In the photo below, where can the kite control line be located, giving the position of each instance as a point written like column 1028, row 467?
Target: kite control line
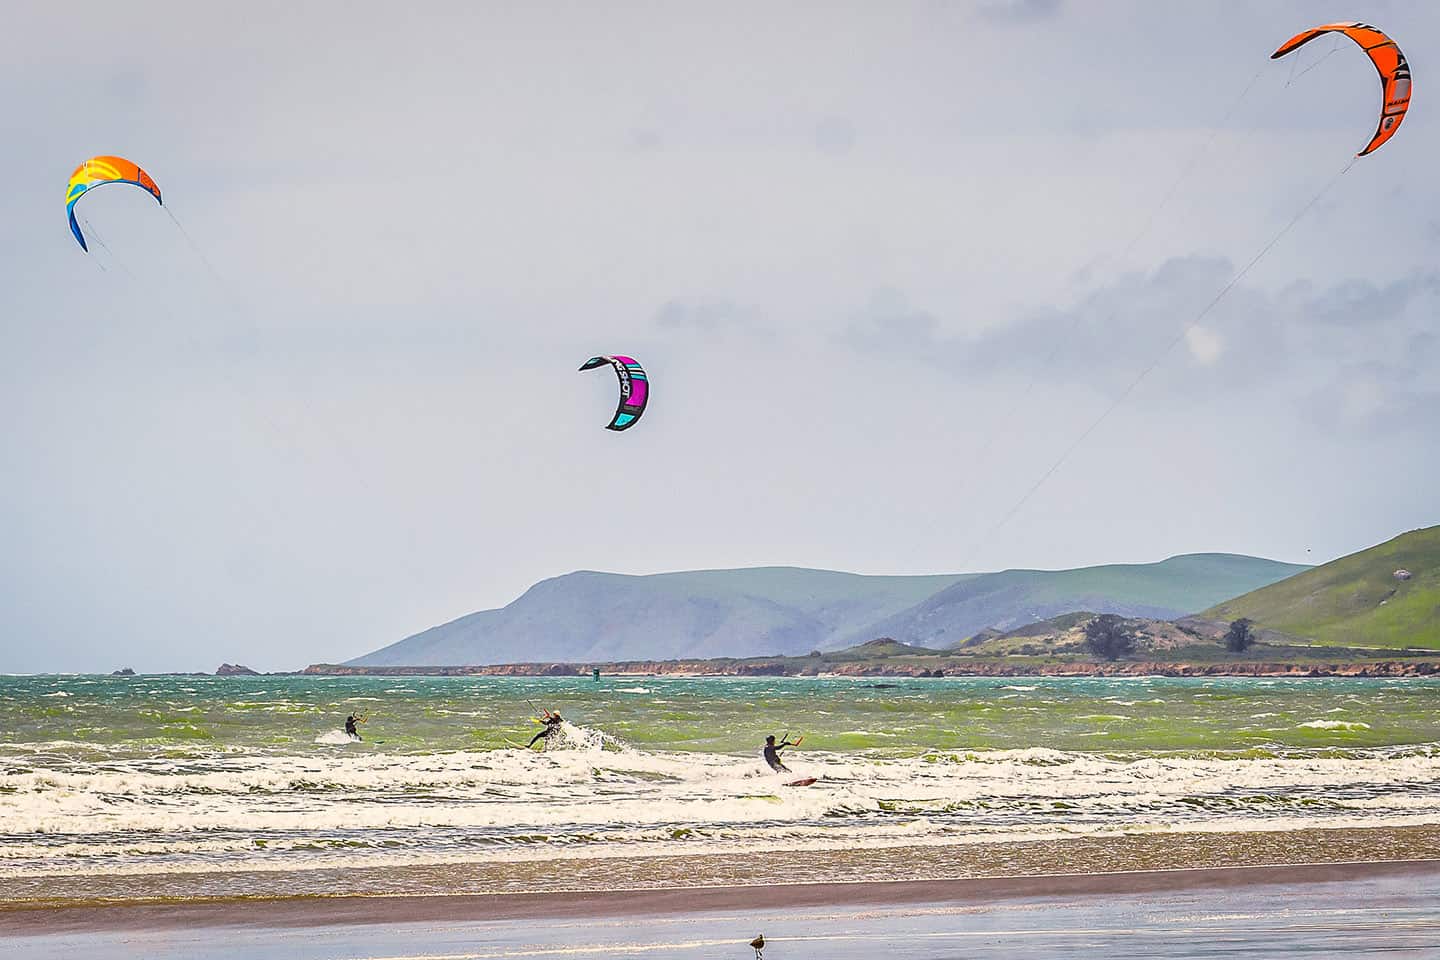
column 1005, row 426
column 1150, row 368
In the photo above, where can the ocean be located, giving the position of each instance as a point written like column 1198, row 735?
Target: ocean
column 116, row 787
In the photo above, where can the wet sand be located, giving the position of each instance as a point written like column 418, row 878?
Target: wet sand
column 584, row 871
column 1335, row 909
column 341, row 910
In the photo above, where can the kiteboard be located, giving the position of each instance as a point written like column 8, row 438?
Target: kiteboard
column 804, row 782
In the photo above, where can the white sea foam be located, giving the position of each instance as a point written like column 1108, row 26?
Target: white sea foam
column 585, row 794
column 1336, row 725
column 337, row 737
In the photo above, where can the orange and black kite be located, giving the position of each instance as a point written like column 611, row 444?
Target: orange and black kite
column 1389, row 61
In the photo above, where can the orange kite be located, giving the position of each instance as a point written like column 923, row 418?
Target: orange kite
column 1389, row 61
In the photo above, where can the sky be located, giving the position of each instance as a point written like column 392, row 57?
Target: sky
column 894, row 270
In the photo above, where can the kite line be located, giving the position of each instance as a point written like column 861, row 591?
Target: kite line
column 1144, row 374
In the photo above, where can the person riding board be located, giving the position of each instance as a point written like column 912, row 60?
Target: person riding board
column 351, row 723
column 551, row 721
column 772, row 752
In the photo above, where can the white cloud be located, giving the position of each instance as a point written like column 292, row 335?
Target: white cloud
column 1205, row 345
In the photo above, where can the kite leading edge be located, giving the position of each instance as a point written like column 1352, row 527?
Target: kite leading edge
column 96, row 172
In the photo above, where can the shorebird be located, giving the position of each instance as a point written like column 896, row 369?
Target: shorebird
column 759, row 944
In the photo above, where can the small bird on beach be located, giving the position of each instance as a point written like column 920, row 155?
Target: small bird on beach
column 759, row 944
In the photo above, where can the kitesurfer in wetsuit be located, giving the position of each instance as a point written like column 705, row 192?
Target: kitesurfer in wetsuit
column 552, row 723
column 772, row 754
column 350, row 726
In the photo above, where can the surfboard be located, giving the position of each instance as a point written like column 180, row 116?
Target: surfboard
column 805, row 782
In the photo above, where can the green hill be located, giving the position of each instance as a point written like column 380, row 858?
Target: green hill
column 1012, row 598
column 1356, row 600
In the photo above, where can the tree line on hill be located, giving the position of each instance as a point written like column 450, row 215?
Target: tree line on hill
column 1110, row 637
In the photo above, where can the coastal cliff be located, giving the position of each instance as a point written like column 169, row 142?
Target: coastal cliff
column 797, row 667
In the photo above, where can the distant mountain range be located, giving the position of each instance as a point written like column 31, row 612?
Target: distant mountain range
column 1386, row 596
column 761, row 611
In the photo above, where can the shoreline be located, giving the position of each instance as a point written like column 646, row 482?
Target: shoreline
column 941, row 668
column 1398, row 664
column 27, row 920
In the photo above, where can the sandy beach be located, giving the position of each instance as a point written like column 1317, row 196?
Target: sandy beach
column 1359, row 909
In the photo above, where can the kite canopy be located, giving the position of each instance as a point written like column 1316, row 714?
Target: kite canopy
column 96, row 172
column 634, row 389
column 1389, row 62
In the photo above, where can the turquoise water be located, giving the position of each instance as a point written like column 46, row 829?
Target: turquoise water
column 153, row 775
column 146, row 716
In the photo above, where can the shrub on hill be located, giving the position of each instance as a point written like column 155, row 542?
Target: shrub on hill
column 1240, row 637
column 1109, row 637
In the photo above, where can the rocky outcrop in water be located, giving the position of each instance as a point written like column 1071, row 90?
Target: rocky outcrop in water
column 235, row 670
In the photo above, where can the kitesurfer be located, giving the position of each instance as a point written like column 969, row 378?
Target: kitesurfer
column 351, row 724
column 772, row 753
column 551, row 721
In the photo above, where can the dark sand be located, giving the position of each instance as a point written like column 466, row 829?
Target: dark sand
column 34, row 919
column 1389, row 910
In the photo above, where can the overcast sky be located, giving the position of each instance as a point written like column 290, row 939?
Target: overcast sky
column 885, row 263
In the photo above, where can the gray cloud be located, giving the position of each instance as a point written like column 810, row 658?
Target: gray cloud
column 834, row 136
column 1372, row 397
column 708, row 316
column 1018, row 11
column 1361, row 301
column 1357, row 352
column 646, row 138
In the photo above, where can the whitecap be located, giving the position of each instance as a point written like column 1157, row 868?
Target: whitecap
column 337, row 738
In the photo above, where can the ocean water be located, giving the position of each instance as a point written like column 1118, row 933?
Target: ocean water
column 157, row 776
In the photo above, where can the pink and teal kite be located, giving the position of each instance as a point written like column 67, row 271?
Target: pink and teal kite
column 634, row 389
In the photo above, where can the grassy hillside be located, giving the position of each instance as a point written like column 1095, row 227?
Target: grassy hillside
column 1012, row 598
column 1356, row 600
